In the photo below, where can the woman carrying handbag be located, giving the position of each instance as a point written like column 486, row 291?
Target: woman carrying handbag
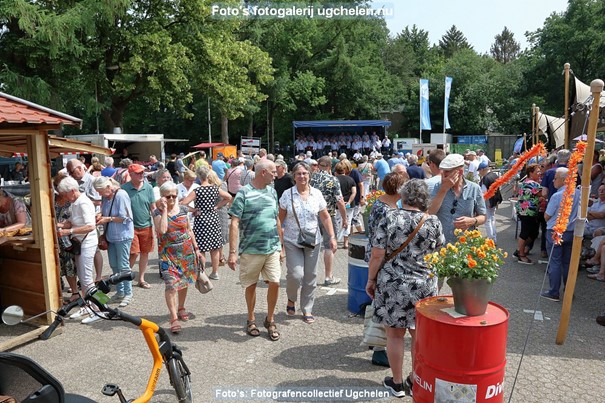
column 299, row 210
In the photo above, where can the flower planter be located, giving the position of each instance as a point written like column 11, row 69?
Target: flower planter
column 471, row 296
column 366, row 225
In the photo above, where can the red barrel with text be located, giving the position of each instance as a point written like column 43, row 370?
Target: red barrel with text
column 456, row 357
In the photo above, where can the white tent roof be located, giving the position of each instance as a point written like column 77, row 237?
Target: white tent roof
column 555, row 124
column 583, row 93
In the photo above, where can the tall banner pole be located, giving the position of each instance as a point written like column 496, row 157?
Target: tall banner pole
column 596, row 86
column 567, row 67
column 533, row 125
column 537, row 128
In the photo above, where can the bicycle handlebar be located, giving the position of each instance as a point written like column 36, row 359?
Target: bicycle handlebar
column 103, row 286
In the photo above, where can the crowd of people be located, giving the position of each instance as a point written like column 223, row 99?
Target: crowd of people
column 271, row 217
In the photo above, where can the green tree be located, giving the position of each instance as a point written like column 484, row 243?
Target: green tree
column 505, row 49
column 453, row 41
column 94, row 55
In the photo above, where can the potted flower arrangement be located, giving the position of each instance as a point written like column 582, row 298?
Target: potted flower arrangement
column 471, row 266
column 370, row 200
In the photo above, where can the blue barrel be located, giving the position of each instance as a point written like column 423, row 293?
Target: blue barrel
column 358, row 273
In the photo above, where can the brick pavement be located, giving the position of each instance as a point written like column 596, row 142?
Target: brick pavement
column 325, row 354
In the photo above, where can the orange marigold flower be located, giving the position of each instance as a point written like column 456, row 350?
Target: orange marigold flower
column 462, row 239
column 568, row 195
column 481, row 254
column 471, row 263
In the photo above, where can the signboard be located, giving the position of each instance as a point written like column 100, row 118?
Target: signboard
column 250, row 145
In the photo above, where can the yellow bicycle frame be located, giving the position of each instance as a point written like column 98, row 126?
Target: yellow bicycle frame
column 149, row 330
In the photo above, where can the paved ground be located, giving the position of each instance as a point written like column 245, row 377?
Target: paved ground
column 227, row 363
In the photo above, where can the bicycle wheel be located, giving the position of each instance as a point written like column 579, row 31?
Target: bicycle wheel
column 180, row 380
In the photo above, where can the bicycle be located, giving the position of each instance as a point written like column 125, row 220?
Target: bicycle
column 164, row 352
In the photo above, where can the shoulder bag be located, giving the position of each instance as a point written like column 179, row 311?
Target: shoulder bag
column 391, row 255
column 306, row 239
column 203, row 283
column 103, row 244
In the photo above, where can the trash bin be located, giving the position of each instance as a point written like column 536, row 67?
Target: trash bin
column 358, row 273
column 457, row 357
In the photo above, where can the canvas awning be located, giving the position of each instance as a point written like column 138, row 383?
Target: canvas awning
column 340, row 123
column 209, row 145
column 17, row 144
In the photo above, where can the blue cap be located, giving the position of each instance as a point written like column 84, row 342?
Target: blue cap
column 483, row 165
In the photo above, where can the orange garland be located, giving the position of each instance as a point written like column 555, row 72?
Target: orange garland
column 536, row 150
column 568, row 195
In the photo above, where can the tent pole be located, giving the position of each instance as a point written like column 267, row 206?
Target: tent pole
column 596, row 86
column 566, row 123
column 533, row 120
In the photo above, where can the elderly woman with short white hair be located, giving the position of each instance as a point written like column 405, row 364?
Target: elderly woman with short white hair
column 81, row 227
column 116, row 217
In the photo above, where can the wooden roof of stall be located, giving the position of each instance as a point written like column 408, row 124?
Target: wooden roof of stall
column 19, row 117
column 17, row 112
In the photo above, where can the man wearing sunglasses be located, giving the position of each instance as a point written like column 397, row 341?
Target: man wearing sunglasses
column 457, row 201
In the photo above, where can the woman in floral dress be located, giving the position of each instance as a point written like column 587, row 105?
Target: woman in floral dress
column 401, row 282
column 528, row 203
column 177, row 251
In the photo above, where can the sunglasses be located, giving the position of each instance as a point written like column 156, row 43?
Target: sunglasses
column 171, row 196
column 454, row 205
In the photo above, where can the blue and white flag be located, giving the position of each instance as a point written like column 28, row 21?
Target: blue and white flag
column 425, row 118
column 448, row 87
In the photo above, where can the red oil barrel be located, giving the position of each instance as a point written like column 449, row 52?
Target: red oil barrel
column 459, row 358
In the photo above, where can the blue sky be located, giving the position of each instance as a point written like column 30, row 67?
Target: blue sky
column 479, row 20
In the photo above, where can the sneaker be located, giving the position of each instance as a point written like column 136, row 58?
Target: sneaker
column 94, row 317
column 516, row 253
column 396, row 389
column 116, row 298
column 125, row 301
column 549, row 296
column 408, row 385
column 331, row 281
column 81, row 313
column 601, row 320
column 213, row 276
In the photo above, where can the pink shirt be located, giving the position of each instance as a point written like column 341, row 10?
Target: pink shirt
column 233, row 179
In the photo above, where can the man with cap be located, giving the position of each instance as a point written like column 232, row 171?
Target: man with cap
column 143, row 204
column 309, row 157
column 219, row 166
column 457, row 201
column 472, row 166
column 487, row 179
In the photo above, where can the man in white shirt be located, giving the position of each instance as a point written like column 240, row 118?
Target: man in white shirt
column 482, row 157
column 472, row 166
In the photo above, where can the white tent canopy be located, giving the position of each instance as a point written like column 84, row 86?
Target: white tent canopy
column 554, row 125
column 583, row 93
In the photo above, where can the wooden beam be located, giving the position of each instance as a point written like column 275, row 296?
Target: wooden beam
column 25, row 338
column 44, row 230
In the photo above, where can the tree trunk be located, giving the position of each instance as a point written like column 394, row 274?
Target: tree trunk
column 114, row 118
column 224, row 129
column 251, row 126
column 270, row 128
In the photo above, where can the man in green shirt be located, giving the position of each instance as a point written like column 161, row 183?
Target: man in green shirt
column 254, row 218
column 143, row 203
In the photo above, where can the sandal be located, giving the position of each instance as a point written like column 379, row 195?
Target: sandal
column 175, row 327
column 222, row 261
column 308, row 319
column 272, row 329
column 290, row 310
column 252, row 329
column 597, row 277
column 182, row 314
column 144, row 284
column 74, row 297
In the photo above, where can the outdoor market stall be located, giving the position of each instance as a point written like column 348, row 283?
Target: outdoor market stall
column 29, row 265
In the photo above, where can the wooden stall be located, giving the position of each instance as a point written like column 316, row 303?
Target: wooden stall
column 29, row 264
